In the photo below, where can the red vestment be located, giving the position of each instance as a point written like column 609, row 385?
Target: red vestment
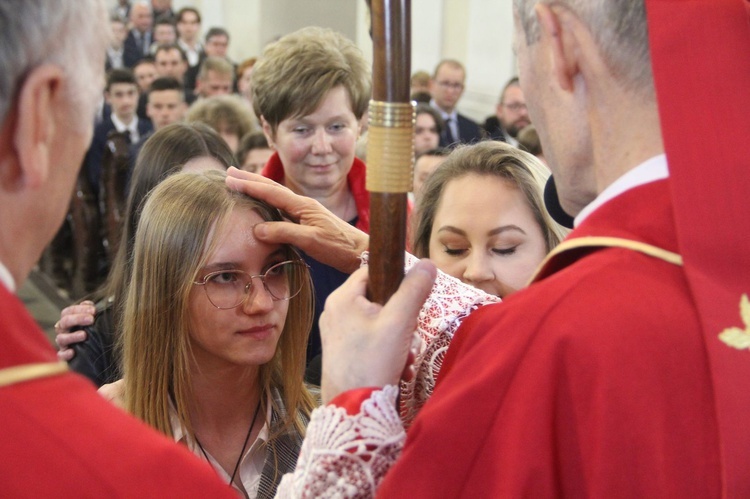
column 624, row 370
column 593, row 382
column 61, row 439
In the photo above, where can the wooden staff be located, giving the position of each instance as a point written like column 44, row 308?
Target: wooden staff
column 390, row 147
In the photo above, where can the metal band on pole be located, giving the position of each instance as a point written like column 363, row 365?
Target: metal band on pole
column 390, row 145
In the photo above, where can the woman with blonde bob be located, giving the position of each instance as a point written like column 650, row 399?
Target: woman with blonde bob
column 481, row 217
column 311, row 90
column 214, row 331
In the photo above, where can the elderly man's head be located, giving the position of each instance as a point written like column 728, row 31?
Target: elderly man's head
column 600, row 77
column 51, row 80
column 141, row 16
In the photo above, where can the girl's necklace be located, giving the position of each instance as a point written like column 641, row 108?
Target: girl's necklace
column 244, row 446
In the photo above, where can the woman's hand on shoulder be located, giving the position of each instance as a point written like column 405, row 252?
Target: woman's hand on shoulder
column 67, row 330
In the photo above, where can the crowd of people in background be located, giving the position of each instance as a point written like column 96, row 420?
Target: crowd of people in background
column 163, row 66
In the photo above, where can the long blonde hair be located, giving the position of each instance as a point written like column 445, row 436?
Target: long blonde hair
column 180, row 215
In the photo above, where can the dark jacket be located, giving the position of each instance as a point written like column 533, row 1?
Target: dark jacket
column 95, row 358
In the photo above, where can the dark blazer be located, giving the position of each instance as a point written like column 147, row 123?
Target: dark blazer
column 468, row 132
column 168, row 14
column 93, row 160
column 130, row 52
column 282, row 451
column 493, row 129
column 108, row 63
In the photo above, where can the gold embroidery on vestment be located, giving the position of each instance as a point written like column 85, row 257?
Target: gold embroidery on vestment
column 27, row 372
column 609, row 242
column 736, row 337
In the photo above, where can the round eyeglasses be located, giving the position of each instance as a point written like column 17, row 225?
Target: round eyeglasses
column 227, row 289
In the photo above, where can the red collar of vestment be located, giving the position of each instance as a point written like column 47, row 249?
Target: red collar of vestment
column 274, row 170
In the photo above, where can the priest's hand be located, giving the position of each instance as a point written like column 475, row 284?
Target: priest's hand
column 313, row 229
column 366, row 344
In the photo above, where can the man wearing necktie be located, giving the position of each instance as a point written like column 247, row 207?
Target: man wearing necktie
column 447, row 86
column 138, row 42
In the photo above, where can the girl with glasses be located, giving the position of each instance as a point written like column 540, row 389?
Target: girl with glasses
column 214, row 330
column 87, row 333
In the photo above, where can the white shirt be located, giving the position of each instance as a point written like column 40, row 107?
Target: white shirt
column 144, row 40
column 451, row 120
column 132, row 127
column 510, row 139
column 251, row 464
column 115, row 57
column 7, row 278
column 651, row 170
column 193, row 53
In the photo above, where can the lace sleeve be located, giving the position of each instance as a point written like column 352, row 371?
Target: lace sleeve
column 449, row 303
column 347, row 456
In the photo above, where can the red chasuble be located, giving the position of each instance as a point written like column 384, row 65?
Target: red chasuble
column 61, row 439
column 701, row 58
column 624, row 370
column 593, row 382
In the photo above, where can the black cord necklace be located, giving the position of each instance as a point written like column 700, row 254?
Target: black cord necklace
column 244, row 446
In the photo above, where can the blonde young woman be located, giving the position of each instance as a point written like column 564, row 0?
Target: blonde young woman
column 214, row 331
column 481, row 217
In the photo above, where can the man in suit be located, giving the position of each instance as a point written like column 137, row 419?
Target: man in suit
column 121, row 10
column 163, row 10
column 170, row 60
column 165, row 102
column 165, row 33
column 115, row 50
column 446, row 87
column 511, row 114
column 138, row 42
column 188, row 34
column 215, row 77
column 63, row 437
column 121, row 93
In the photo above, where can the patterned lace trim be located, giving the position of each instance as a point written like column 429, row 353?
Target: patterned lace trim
column 347, row 456
column 449, row 303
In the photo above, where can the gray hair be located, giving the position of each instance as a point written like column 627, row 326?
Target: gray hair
column 142, row 3
column 619, row 29
column 71, row 34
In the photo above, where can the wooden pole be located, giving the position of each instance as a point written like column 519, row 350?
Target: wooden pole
column 390, row 149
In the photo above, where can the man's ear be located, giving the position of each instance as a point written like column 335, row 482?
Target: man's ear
column 557, row 36
column 268, row 132
column 40, row 102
